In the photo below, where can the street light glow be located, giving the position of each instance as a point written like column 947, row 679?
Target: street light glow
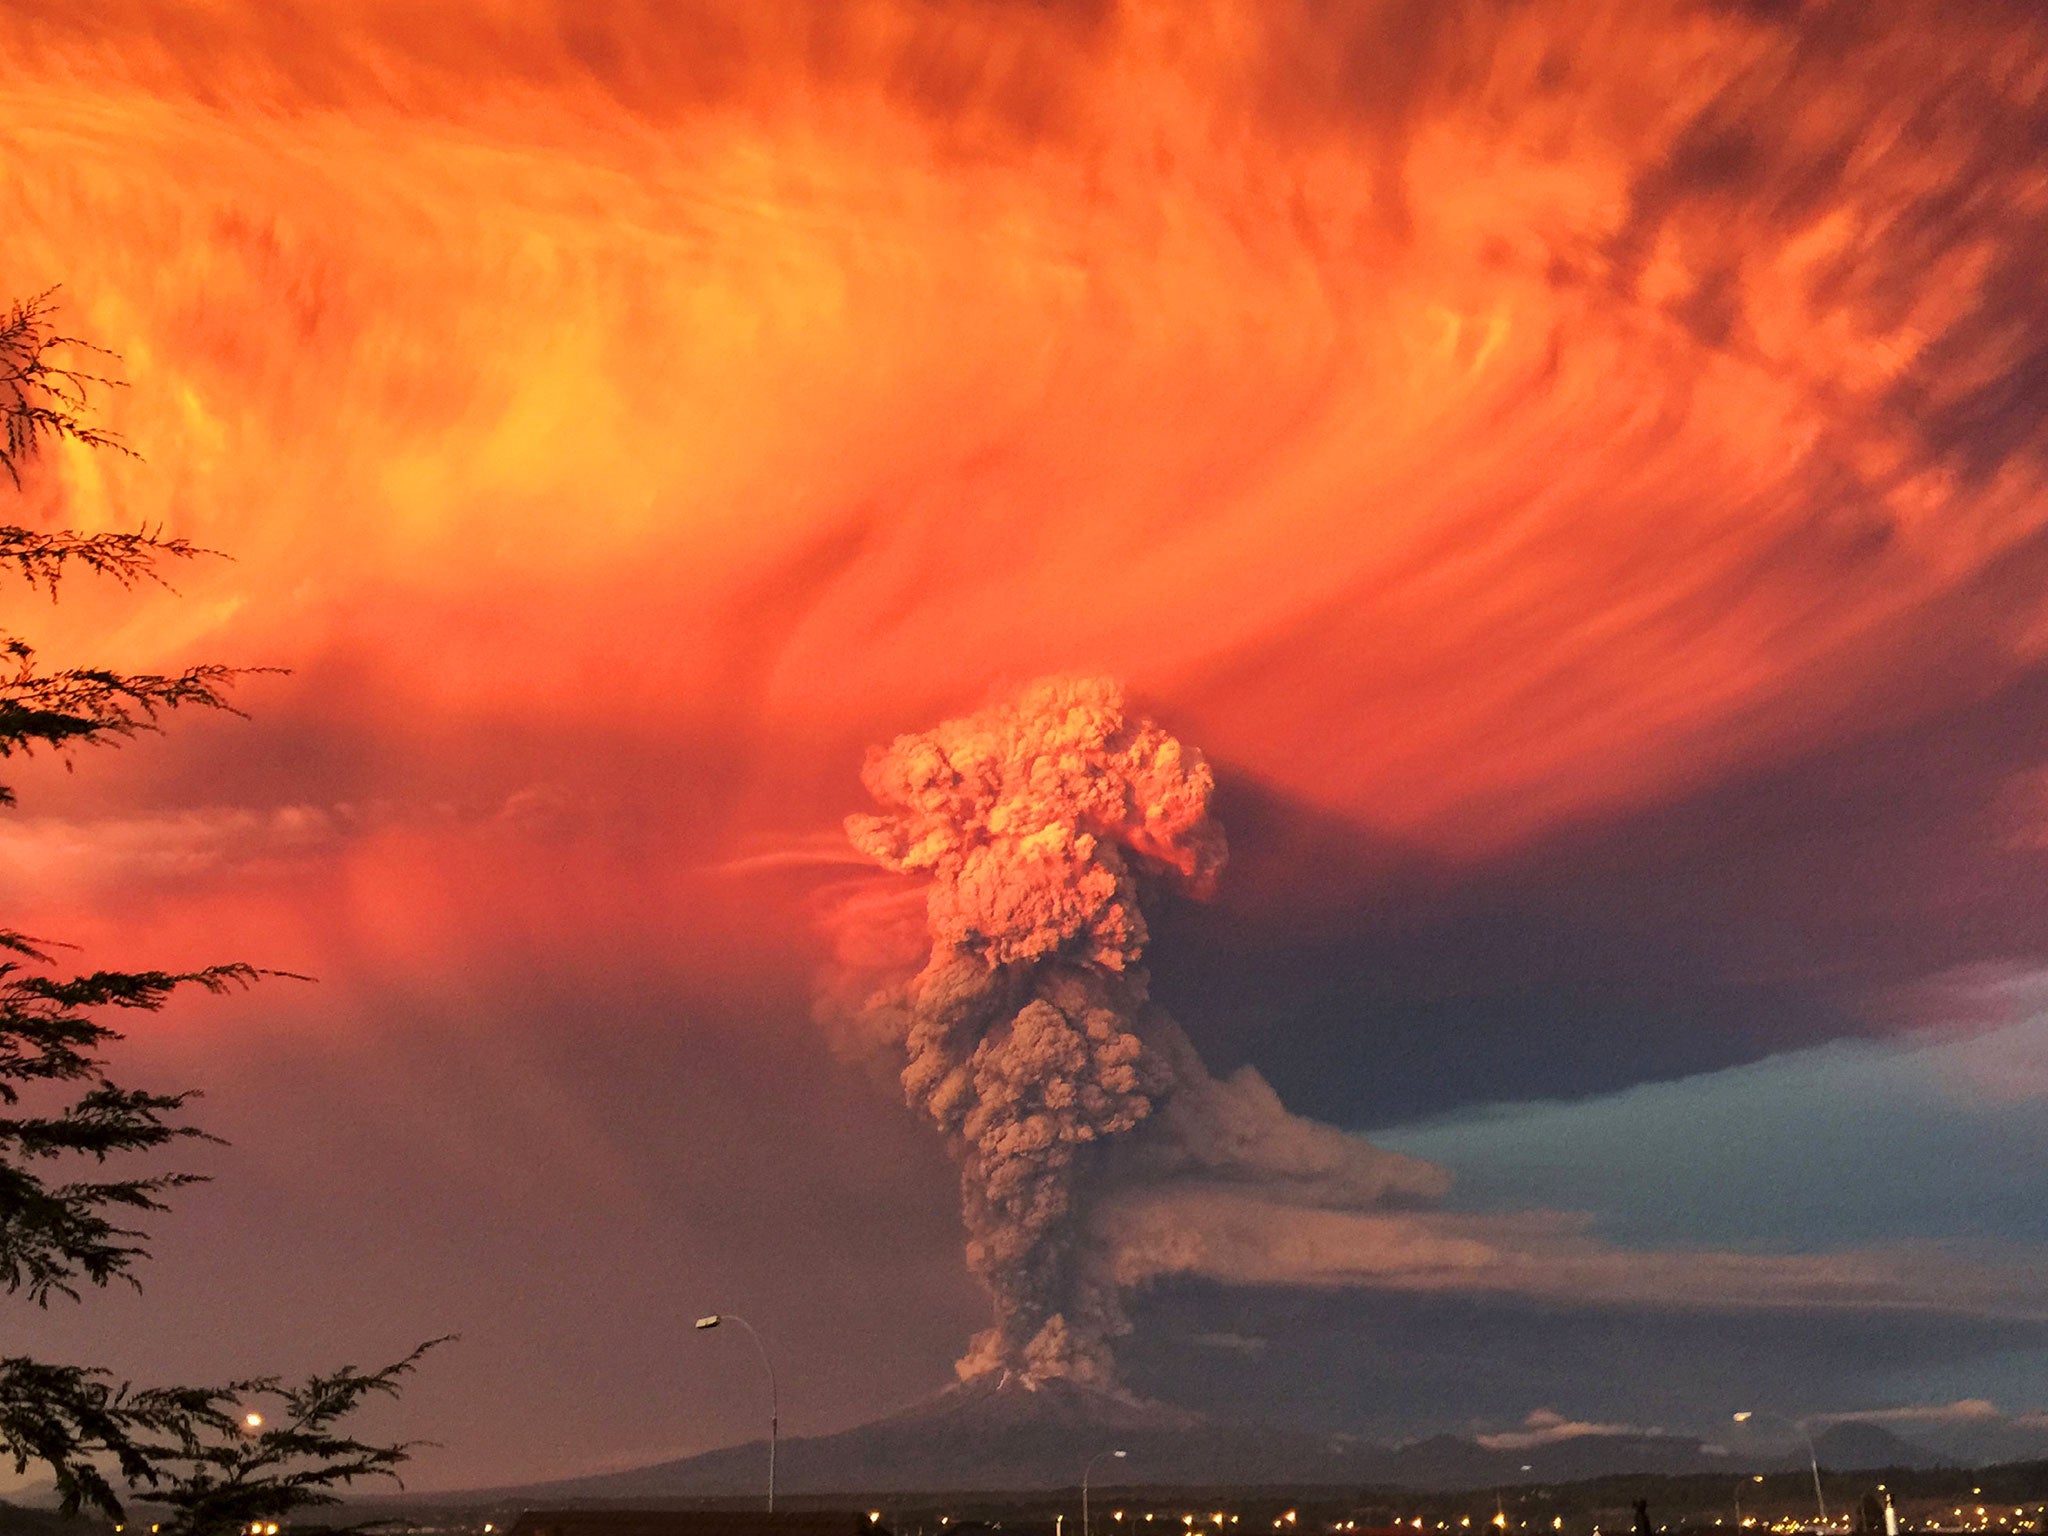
column 253, row 1420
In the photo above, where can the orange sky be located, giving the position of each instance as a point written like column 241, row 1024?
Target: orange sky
column 1474, row 422
column 1464, row 455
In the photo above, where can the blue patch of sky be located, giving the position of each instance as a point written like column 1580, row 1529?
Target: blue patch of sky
column 1850, row 1143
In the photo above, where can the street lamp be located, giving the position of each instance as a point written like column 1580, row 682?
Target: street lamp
column 774, row 1404
column 1119, row 1455
column 1812, row 1456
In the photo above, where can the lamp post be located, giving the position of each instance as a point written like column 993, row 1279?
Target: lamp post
column 1812, row 1456
column 774, row 1405
column 1119, row 1455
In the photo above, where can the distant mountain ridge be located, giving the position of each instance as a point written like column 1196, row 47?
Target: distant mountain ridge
column 1853, row 1447
column 987, row 1436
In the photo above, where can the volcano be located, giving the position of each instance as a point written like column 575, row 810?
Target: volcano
column 993, row 1434
column 990, row 1434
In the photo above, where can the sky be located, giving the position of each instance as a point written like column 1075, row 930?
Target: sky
column 1576, row 470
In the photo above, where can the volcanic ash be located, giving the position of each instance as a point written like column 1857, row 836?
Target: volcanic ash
column 1030, row 1041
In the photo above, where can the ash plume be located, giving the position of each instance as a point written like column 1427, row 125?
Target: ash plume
column 1043, row 826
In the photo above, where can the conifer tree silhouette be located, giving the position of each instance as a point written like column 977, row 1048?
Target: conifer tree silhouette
column 199, row 1451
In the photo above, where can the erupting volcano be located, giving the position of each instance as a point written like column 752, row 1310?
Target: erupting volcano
column 1042, row 826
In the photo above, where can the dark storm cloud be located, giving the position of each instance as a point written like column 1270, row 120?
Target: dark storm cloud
column 1780, row 909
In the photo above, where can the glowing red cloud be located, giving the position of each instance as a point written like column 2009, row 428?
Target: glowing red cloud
column 1466, row 424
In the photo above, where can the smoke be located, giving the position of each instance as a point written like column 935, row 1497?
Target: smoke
column 1029, row 1037
column 1097, row 1153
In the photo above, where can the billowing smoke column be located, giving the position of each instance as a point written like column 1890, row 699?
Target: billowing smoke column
column 1030, row 1039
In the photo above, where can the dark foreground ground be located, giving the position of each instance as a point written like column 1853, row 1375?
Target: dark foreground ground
column 2008, row 1500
